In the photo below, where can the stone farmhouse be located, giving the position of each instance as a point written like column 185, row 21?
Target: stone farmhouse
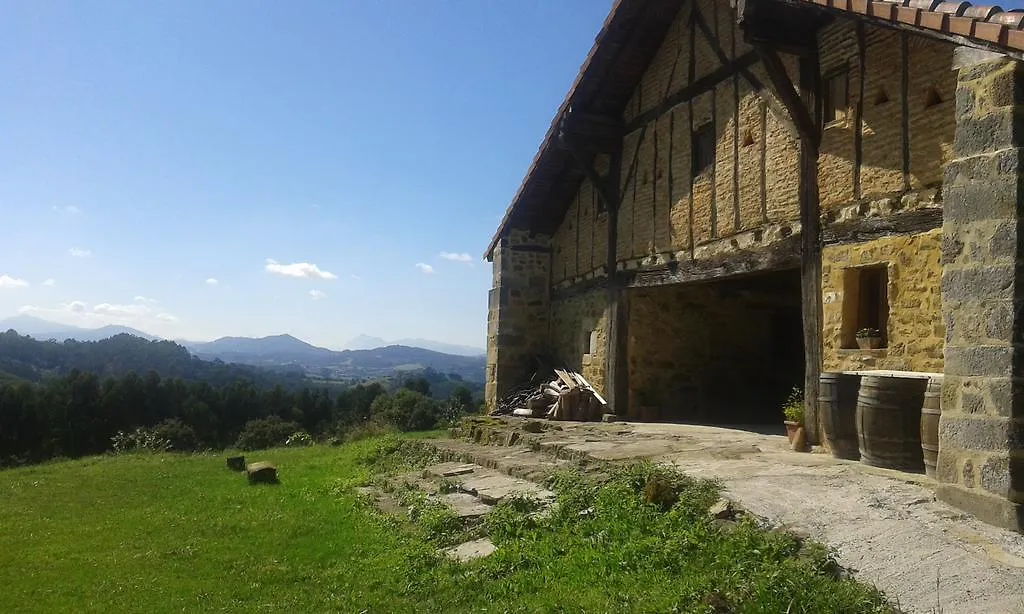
column 732, row 190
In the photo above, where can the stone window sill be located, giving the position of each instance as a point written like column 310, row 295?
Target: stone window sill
column 860, row 352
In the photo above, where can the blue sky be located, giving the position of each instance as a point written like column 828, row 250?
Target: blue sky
column 199, row 169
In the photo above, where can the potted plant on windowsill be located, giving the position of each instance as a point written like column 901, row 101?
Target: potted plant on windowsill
column 793, row 411
column 869, row 338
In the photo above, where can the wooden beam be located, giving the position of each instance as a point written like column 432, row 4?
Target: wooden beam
column 692, row 90
column 779, row 256
column 809, row 108
column 905, row 106
column 807, row 128
column 867, row 229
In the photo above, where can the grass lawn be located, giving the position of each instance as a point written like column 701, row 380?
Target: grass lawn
column 178, row 533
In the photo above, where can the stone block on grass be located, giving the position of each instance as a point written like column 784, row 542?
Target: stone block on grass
column 261, row 473
column 236, row 463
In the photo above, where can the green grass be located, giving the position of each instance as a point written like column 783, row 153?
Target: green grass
column 171, row 533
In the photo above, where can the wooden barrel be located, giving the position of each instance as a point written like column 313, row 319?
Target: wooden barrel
column 837, row 408
column 889, row 421
column 931, row 409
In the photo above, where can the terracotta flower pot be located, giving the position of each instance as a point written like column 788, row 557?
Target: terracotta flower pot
column 791, row 429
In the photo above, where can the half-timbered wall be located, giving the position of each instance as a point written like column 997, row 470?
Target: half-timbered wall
column 885, row 159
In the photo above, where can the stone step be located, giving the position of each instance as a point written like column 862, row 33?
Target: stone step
column 464, row 505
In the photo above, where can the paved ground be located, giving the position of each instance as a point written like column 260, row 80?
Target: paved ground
column 886, row 526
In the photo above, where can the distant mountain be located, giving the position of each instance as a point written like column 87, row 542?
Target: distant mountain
column 287, row 351
column 44, row 330
column 375, row 357
column 366, row 342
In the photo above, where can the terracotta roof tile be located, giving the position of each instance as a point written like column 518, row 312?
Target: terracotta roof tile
column 984, row 23
column 952, row 8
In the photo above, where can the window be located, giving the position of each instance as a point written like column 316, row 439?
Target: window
column 865, row 302
column 836, row 105
column 703, row 149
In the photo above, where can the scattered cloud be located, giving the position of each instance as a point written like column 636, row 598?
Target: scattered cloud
column 426, row 269
column 6, row 281
column 80, row 313
column 50, row 282
column 356, row 277
column 212, row 281
column 143, row 299
column 298, row 270
column 70, row 209
column 316, row 295
column 79, row 253
column 463, row 257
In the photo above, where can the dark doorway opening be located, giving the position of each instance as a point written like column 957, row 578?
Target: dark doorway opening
column 724, row 352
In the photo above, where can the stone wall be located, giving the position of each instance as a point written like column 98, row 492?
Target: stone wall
column 981, row 431
column 667, row 213
column 580, row 323
column 518, row 310
column 878, row 106
column 715, row 352
column 915, row 333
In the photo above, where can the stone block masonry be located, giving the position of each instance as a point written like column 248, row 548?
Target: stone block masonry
column 981, row 433
column 915, row 332
column 518, row 310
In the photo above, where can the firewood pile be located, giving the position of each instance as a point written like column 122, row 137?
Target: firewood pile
column 566, row 396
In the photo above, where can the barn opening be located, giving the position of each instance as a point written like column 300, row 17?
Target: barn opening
column 722, row 352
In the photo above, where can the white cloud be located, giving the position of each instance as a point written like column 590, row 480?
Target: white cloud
column 143, row 299
column 79, row 253
column 463, row 257
column 212, row 282
column 6, row 281
column 132, row 310
column 298, row 270
column 426, row 269
column 356, row 277
column 79, row 313
column 50, row 282
column 316, row 295
column 70, row 209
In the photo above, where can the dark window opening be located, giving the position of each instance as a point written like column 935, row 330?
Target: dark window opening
column 865, row 303
column 748, row 138
column 881, row 96
column 703, row 149
column 836, row 102
column 932, row 98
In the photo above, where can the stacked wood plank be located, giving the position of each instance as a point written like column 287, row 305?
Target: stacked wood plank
column 567, row 396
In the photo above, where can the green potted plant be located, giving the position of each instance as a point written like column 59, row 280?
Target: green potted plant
column 793, row 411
column 869, row 338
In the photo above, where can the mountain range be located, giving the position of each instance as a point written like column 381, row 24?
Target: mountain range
column 284, row 351
column 365, row 342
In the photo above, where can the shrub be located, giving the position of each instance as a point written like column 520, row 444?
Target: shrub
column 139, row 440
column 180, row 436
column 265, row 433
column 406, row 410
column 298, row 439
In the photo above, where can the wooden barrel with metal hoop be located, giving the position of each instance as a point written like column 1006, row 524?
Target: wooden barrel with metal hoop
column 889, row 421
column 837, row 408
column 931, row 410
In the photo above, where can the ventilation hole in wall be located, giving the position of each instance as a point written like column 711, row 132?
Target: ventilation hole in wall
column 932, row 98
column 748, row 138
column 881, row 96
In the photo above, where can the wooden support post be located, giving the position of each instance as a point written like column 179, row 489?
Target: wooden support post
column 616, row 363
column 804, row 108
column 810, row 262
